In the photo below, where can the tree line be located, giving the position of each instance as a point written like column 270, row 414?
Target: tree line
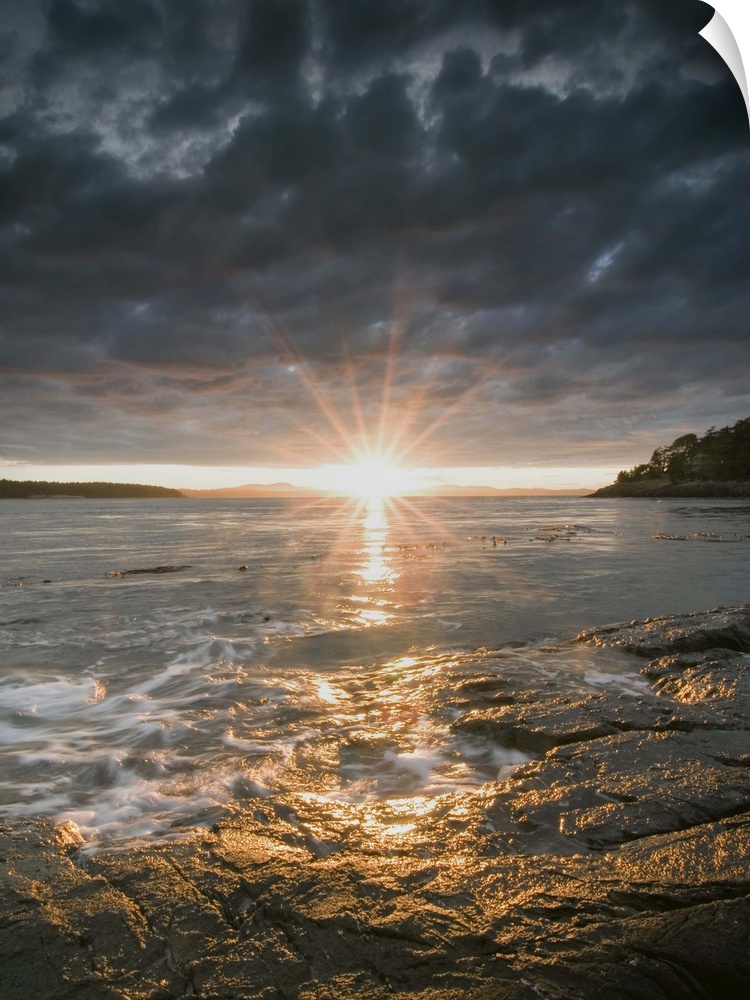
column 24, row 490
column 720, row 456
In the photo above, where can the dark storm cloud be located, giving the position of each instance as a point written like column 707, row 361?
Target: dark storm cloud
column 210, row 212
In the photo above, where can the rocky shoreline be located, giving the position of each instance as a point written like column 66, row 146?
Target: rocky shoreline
column 614, row 865
column 664, row 488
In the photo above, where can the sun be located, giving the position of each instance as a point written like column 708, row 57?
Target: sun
column 377, row 479
column 371, row 479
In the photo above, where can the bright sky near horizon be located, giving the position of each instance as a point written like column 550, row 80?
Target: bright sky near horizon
column 505, row 243
column 323, row 477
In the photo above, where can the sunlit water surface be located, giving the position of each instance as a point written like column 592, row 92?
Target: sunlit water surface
column 309, row 646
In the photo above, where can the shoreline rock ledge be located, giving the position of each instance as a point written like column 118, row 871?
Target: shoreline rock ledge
column 663, row 488
column 614, row 865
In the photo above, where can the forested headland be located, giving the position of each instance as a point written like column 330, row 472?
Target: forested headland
column 11, row 489
column 714, row 465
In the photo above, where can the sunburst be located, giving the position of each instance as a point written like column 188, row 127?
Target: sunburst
column 372, row 477
column 377, row 432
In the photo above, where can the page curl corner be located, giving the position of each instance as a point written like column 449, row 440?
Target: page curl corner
column 728, row 32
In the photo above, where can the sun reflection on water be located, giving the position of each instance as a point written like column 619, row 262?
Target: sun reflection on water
column 377, row 568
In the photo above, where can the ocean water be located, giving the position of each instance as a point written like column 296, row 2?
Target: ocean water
column 310, row 645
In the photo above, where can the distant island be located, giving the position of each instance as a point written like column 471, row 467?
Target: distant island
column 716, row 465
column 11, row 489
column 29, row 490
column 250, row 491
column 281, row 490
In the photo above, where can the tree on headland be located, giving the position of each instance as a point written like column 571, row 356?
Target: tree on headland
column 721, row 455
column 20, row 490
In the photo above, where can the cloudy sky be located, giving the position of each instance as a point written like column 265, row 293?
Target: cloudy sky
column 248, row 234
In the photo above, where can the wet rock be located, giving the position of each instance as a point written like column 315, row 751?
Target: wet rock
column 723, row 628
column 236, row 914
column 64, row 933
column 147, row 569
column 718, row 678
column 613, row 866
column 609, row 791
column 539, row 724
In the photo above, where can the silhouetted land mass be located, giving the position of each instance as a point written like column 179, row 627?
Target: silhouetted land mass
column 286, row 491
column 252, row 491
column 29, row 490
column 715, row 465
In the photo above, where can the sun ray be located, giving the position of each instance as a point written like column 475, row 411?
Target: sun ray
column 353, row 391
column 371, row 452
